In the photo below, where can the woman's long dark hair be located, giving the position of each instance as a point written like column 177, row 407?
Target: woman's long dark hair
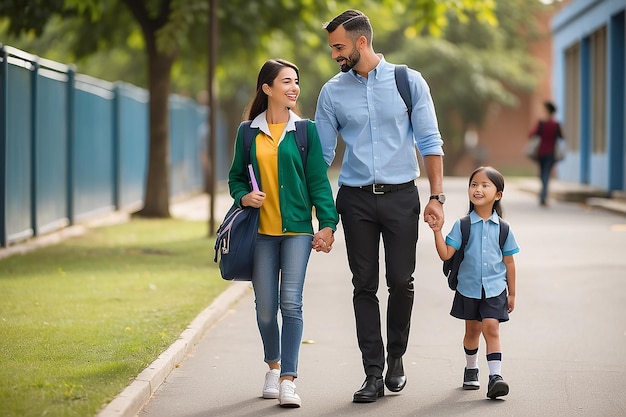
column 497, row 179
column 268, row 73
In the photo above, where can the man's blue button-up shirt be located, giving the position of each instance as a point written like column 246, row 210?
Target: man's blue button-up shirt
column 482, row 265
column 372, row 119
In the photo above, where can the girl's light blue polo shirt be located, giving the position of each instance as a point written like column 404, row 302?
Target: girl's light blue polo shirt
column 482, row 265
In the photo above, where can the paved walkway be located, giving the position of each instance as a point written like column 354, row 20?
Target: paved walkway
column 563, row 348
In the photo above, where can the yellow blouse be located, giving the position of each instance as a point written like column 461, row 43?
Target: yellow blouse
column 267, row 155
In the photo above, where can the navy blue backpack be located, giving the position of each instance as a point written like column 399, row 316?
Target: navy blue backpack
column 234, row 246
column 236, row 236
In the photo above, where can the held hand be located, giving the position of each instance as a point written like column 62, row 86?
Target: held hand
column 323, row 240
column 434, row 209
column 433, row 215
column 253, row 199
column 433, row 223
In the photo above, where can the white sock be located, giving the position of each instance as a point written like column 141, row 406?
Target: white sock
column 471, row 357
column 494, row 360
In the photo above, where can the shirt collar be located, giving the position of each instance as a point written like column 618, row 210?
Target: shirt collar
column 260, row 122
column 474, row 218
column 376, row 71
column 380, row 67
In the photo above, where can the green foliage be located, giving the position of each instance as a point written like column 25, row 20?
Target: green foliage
column 474, row 66
column 434, row 17
column 250, row 33
column 29, row 15
column 459, row 38
column 80, row 319
column 173, row 35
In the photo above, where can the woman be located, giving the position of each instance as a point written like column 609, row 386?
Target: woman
column 288, row 190
column 549, row 130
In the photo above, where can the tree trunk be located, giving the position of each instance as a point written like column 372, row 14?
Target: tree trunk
column 156, row 201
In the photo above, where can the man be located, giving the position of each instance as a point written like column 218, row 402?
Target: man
column 377, row 194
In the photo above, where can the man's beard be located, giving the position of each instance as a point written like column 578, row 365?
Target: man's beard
column 351, row 61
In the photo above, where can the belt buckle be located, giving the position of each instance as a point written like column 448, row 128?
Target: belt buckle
column 376, row 192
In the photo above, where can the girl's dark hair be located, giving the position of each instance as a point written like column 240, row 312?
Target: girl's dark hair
column 497, row 179
column 268, row 73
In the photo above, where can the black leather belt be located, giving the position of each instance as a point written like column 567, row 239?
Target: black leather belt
column 385, row 188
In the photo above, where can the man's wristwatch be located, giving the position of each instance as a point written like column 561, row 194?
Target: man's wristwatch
column 439, row 197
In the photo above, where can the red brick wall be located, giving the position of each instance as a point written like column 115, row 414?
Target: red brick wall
column 505, row 130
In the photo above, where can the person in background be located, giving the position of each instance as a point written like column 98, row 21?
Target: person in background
column 549, row 130
column 377, row 195
column 485, row 275
column 288, row 192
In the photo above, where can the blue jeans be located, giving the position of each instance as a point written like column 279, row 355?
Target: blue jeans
column 279, row 269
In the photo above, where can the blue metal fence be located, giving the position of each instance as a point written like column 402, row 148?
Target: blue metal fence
column 72, row 146
column 50, row 151
column 132, row 144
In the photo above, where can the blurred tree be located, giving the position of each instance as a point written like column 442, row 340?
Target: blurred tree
column 474, row 67
column 173, row 33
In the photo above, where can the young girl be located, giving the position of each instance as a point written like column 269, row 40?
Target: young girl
column 481, row 297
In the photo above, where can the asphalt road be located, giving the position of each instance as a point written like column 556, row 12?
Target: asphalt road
column 564, row 349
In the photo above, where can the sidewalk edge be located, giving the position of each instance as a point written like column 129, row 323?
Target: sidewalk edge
column 133, row 398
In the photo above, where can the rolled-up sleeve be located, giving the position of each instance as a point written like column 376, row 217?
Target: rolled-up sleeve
column 424, row 119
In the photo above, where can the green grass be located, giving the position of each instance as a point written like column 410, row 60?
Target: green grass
column 79, row 320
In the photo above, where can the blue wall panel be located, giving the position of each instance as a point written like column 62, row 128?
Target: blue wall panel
column 185, row 143
column 19, row 156
column 133, row 145
column 197, row 147
column 51, row 153
column 177, row 149
column 93, row 152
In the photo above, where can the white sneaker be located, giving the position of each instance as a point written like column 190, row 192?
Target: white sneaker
column 288, row 396
column 270, row 389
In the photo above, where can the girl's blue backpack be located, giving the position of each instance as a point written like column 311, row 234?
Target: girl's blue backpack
column 451, row 266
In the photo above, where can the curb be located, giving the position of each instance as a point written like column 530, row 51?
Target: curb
column 130, row 401
column 577, row 193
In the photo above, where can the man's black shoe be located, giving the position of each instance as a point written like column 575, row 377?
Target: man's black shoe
column 395, row 380
column 370, row 391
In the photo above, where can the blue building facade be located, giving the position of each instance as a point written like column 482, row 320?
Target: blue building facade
column 589, row 69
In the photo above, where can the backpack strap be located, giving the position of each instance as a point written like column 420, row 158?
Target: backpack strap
column 402, row 83
column 248, row 136
column 465, row 231
column 250, row 133
column 504, row 233
column 302, row 139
